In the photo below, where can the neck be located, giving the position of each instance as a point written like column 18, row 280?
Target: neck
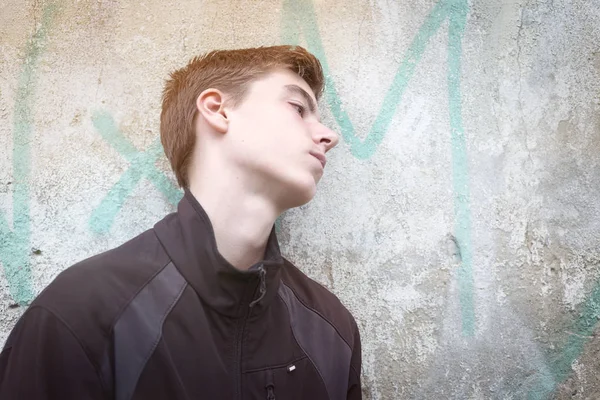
column 242, row 221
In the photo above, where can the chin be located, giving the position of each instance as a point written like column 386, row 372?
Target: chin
column 299, row 193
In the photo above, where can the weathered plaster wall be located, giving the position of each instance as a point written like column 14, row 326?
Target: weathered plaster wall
column 458, row 219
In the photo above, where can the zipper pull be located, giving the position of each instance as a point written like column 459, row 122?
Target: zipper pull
column 271, row 392
column 262, row 286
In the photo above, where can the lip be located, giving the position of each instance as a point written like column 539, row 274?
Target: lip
column 319, row 156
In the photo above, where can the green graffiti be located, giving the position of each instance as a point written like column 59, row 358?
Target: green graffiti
column 300, row 16
column 457, row 14
column 15, row 244
column 579, row 334
column 142, row 164
column 582, row 330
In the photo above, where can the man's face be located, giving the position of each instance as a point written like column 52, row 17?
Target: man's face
column 277, row 139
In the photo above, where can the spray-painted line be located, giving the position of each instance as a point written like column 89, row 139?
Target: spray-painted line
column 15, row 245
column 300, row 16
column 142, row 164
column 583, row 328
column 580, row 333
column 460, row 166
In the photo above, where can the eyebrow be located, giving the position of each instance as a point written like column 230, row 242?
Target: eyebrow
column 295, row 89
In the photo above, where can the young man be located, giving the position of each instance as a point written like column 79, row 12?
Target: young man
column 203, row 306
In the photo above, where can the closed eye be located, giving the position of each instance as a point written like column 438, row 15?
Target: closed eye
column 300, row 108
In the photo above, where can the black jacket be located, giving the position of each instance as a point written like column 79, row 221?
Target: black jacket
column 165, row 316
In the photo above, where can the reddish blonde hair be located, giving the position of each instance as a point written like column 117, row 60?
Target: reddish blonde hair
column 230, row 71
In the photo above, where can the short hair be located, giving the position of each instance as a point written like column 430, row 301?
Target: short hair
column 231, row 71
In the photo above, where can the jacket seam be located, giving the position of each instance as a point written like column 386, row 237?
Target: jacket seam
column 355, row 371
column 135, row 294
column 106, row 336
column 85, row 349
column 302, row 348
column 194, row 289
column 162, row 321
column 318, row 313
column 250, row 371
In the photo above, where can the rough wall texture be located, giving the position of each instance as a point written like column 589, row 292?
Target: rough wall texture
column 458, row 219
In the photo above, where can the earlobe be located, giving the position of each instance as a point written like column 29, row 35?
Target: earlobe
column 211, row 105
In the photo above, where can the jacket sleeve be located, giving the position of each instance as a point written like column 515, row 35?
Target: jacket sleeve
column 354, row 386
column 42, row 359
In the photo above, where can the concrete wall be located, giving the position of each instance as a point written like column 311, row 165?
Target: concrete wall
column 458, row 219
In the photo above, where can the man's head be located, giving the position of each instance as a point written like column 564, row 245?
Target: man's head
column 250, row 110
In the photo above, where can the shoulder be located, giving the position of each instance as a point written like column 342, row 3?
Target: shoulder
column 320, row 301
column 111, row 274
column 90, row 295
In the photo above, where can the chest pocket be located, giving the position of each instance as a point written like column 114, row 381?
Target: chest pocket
column 297, row 380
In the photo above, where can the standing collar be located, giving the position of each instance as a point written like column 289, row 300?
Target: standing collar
column 188, row 238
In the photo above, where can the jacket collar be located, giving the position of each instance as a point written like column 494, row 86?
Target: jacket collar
column 188, row 238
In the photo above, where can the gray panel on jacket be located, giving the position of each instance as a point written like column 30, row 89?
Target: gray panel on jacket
column 329, row 353
column 138, row 330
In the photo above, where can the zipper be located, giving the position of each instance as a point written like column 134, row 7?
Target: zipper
column 238, row 356
column 270, row 387
column 262, row 288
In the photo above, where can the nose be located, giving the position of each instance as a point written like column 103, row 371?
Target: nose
column 325, row 137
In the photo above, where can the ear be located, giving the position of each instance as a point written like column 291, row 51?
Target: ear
column 211, row 105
